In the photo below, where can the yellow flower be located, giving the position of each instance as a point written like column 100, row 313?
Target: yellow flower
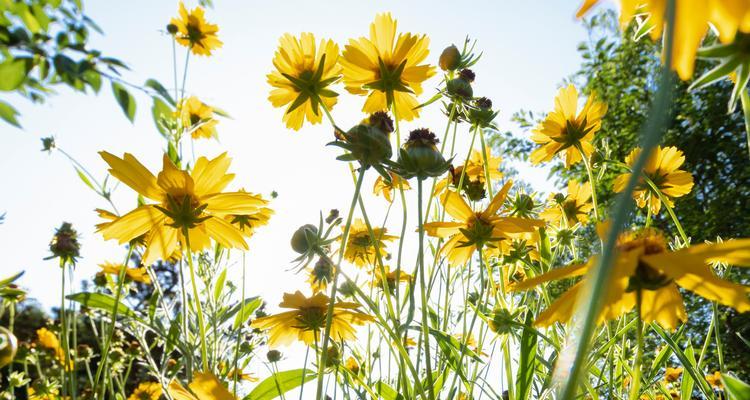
column 194, row 32
column 643, row 262
column 49, row 340
column 320, row 274
column 571, row 209
column 243, row 376
column 672, row 374
column 360, row 247
column 386, row 189
column 662, row 168
column 185, row 202
column 247, row 224
column 134, row 274
column 715, row 380
column 472, row 230
column 197, row 118
column 387, row 69
column 146, row 391
column 307, row 319
column 474, row 171
column 205, row 386
column 50, row 394
column 691, row 24
column 392, row 278
column 352, row 365
column 302, row 76
column 566, row 130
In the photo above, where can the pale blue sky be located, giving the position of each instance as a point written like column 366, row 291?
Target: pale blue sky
column 529, row 47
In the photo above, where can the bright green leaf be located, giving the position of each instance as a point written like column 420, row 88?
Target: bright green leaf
column 124, row 99
column 280, row 383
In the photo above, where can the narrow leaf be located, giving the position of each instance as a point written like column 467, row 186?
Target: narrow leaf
column 280, row 383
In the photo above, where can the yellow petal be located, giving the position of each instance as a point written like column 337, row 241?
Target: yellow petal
column 132, row 224
column 132, row 173
column 456, row 206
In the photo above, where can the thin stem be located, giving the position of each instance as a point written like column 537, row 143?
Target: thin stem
column 197, row 299
column 592, row 181
column 239, row 331
column 423, row 294
column 636, row 381
column 334, row 285
column 486, row 165
column 184, row 74
column 745, row 98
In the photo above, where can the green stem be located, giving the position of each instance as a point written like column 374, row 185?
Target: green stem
column 239, row 331
column 485, row 161
column 745, row 98
column 197, row 299
column 334, row 285
column 592, row 181
column 568, row 373
column 425, row 306
column 64, row 334
column 636, row 381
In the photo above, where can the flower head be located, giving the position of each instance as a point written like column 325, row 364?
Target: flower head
column 361, row 248
column 385, row 188
column 672, row 374
column 384, row 277
column 134, row 274
column 49, row 340
column 644, row 263
column 386, row 67
column 566, row 129
column 715, row 380
column 194, row 32
column 301, row 78
column 320, row 274
column 204, row 386
column 572, row 208
column 662, row 168
column 197, row 118
column 473, row 230
column 65, row 244
column 474, row 177
column 308, row 317
column 182, row 203
column 146, row 391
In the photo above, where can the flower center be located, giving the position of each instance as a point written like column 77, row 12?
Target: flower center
column 650, row 241
column 194, row 33
column 185, row 212
column 478, row 232
column 311, row 318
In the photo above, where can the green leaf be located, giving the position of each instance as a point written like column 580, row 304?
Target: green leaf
column 245, row 312
column 124, row 99
column 10, row 279
column 159, row 88
column 735, row 388
column 527, row 361
column 386, row 392
column 686, row 388
column 8, row 114
column 689, row 366
column 163, row 116
column 85, row 179
column 220, row 284
column 13, row 71
column 280, row 383
column 103, row 302
column 721, row 71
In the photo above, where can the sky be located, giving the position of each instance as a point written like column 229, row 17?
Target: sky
column 529, row 47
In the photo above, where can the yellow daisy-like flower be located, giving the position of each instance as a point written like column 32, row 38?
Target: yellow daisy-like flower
column 360, row 246
column 691, row 24
column 302, row 76
column 387, row 68
column 197, row 118
column 194, row 32
column 644, row 263
column 49, row 340
column 352, row 365
column 307, row 319
column 146, row 391
column 474, row 171
column 672, row 374
column 185, row 202
column 566, row 129
column 662, row 168
column 320, row 274
column 204, row 386
column 247, row 224
column 715, row 380
column 385, row 189
column 134, row 274
column 570, row 209
column 392, row 278
column 50, row 394
column 472, row 230
column 243, row 376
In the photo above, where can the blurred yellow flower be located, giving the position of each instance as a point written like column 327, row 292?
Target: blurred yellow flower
column 50, row 394
column 194, row 32
column 474, row 171
column 352, row 365
column 643, row 262
column 134, row 274
column 146, row 391
column 247, row 224
column 186, row 202
column 672, row 374
column 308, row 317
column 662, row 168
column 197, row 118
column 205, row 386
column 49, row 340
column 472, row 230
column 320, row 274
column 564, row 129
column 243, row 376
column 361, row 249
column 572, row 208
column 385, row 189
column 691, row 24
column 387, row 69
column 302, row 76
column 392, row 278
column 715, row 380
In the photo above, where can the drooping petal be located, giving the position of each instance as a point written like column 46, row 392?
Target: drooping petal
column 132, row 224
column 132, row 173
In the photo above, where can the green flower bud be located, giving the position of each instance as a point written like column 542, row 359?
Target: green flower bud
column 460, row 88
column 172, row 29
column 8, row 346
column 481, row 114
column 65, row 243
column 367, row 143
column 420, row 157
column 450, row 58
column 468, row 75
column 301, row 238
column 501, row 321
column 273, row 356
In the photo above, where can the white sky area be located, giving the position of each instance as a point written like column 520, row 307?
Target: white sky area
column 529, row 47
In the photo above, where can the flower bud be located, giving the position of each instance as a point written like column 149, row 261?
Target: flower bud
column 460, row 88
column 468, row 75
column 65, row 243
column 333, row 356
column 501, row 321
column 367, row 142
column 301, row 242
column 172, row 29
column 48, row 144
column 481, row 114
column 8, row 346
column 450, row 58
column 420, row 157
column 273, row 356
